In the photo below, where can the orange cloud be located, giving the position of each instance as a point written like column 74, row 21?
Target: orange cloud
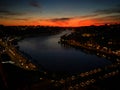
column 9, row 22
column 98, row 17
column 64, row 22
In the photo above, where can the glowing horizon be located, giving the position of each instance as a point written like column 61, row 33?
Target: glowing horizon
column 64, row 13
column 67, row 23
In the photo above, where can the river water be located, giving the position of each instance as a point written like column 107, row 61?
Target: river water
column 47, row 52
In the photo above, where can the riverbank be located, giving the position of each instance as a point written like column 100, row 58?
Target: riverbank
column 25, row 79
column 19, row 79
column 93, row 48
column 18, row 59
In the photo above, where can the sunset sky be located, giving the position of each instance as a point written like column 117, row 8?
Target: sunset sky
column 59, row 12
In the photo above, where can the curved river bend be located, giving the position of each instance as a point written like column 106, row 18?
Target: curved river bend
column 56, row 58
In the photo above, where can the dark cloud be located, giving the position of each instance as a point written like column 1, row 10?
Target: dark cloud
column 60, row 19
column 107, row 19
column 21, row 19
column 89, row 16
column 34, row 3
column 114, row 10
column 107, row 14
column 114, row 17
column 8, row 12
column 14, row 18
column 108, row 11
column 3, row 17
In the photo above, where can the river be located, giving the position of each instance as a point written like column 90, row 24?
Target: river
column 47, row 52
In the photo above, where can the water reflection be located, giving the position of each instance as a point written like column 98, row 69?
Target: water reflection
column 55, row 58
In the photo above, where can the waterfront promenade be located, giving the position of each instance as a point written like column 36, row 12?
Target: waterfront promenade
column 91, row 47
column 17, row 58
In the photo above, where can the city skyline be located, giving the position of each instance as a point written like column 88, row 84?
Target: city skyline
column 59, row 12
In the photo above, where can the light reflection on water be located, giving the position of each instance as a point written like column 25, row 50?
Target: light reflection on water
column 48, row 53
